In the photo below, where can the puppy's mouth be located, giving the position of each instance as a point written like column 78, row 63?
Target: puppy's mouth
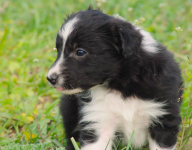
column 67, row 90
column 59, row 88
column 62, row 88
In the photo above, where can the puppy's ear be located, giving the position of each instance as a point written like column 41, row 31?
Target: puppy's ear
column 90, row 7
column 129, row 38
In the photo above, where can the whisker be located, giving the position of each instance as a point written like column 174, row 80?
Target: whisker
column 65, row 86
column 71, row 86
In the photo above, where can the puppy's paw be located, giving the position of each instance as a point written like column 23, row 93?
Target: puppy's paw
column 96, row 147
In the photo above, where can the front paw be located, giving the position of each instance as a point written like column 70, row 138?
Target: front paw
column 96, row 147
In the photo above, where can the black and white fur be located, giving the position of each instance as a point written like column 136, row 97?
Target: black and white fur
column 125, row 81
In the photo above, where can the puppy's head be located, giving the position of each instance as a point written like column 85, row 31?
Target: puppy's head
column 90, row 48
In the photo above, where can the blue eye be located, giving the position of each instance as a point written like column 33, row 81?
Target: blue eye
column 80, row 52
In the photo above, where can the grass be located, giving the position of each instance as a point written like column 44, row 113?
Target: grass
column 129, row 144
column 28, row 105
column 18, row 146
column 74, row 144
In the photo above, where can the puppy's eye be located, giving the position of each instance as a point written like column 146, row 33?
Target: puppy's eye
column 80, row 52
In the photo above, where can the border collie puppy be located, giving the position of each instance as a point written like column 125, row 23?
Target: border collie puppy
column 115, row 78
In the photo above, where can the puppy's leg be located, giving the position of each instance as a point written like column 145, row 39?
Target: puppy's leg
column 99, row 138
column 69, row 112
column 164, row 136
column 155, row 146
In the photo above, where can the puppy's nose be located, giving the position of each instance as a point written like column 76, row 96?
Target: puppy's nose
column 52, row 78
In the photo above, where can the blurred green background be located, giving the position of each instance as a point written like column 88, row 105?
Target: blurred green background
column 28, row 105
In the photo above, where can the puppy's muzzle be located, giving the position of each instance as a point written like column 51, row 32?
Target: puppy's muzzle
column 52, row 78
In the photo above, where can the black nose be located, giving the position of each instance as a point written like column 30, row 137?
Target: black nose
column 52, row 78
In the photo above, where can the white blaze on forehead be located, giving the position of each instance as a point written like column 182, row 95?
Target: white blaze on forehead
column 148, row 42
column 64, row 33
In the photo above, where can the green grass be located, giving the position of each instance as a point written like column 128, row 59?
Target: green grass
column 18, row 146
column 129, row 143
column 28, row 105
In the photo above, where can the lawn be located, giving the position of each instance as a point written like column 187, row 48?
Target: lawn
column 29, row 111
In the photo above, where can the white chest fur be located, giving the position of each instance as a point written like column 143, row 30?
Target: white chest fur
column 113, row 113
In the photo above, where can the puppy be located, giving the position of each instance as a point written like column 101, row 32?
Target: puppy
column 115, row 78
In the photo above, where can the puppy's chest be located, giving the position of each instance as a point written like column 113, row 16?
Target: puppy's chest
column 110, row 113
column 110, row 106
